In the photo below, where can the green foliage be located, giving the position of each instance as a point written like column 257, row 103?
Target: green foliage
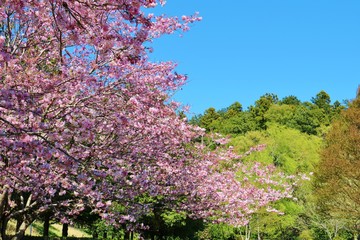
column 288, row 149
column 233, row 110
column 195, row 120
column 218, row 232
column 338, row 176
column 322, row 100
column 208, row 118
column 243, row 143
column 262, row 105
column 235, row 124
column 308, row 117
column 170, row 224
column 280, row 114
column 336, row 109
column 290, row 100
column 102, row 230
column 293, row 132
column 174, row 219
column 306, row 234
column 275, row 226
column 292, row 152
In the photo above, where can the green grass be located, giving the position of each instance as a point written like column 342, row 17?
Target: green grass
column 36, row 229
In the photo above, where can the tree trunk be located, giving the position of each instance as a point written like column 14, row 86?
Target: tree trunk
column 46, row 226
column 23, row 219
column 18, row 225
column 247, row 231
column 95, row 235
column 65, row 230
column 21, row 232
column 127, row 235
column 3, row 218
column 3, row 226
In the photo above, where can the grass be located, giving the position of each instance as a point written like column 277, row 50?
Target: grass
column 36, row 229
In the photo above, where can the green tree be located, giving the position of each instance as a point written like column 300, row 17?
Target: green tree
column 280, row 114
column 239, row 123
column 218, row 232
column 233, row 110
column 290, row 100
column 338, row 175
column 289, row 149
column 292, row 152
column 208, row 118
column 322, row 100
column 337, row 107
column 196, row 120
column 305, row 120
column 262, row 105
column 322, row 107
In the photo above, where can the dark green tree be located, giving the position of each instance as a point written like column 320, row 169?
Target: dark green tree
column 262, row 105
column 290, row 100
column 208, row 118
column 233, row 110
column 337, row 107
column 237, row 124
column 305, row 120
column 195, row 120
column 323, row 101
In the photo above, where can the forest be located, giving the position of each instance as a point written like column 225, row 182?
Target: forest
column 92, row 141
column 316, row 137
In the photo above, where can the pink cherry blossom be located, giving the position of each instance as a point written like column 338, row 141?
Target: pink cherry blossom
column 86, row 119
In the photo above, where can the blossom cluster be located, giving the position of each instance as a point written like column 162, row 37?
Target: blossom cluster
column 86, row 120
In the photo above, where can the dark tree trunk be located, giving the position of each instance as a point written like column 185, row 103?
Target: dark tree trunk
column 3, row 219
column 3, row 226
column 18, row 225
column 21, row 231
column 127, row 235
column 65, row 230
column 95, row 235
column 19, row 235
column 46, row 226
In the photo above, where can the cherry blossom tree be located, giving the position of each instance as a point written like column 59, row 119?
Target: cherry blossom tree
column 86, row 120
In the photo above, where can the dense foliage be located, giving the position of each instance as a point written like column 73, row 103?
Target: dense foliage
column 308, row 117
column 316, row 137
column 89, row 135
column 338, row 177
column 88, row 130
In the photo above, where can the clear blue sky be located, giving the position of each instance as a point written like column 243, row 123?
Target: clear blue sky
column 243, row 49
